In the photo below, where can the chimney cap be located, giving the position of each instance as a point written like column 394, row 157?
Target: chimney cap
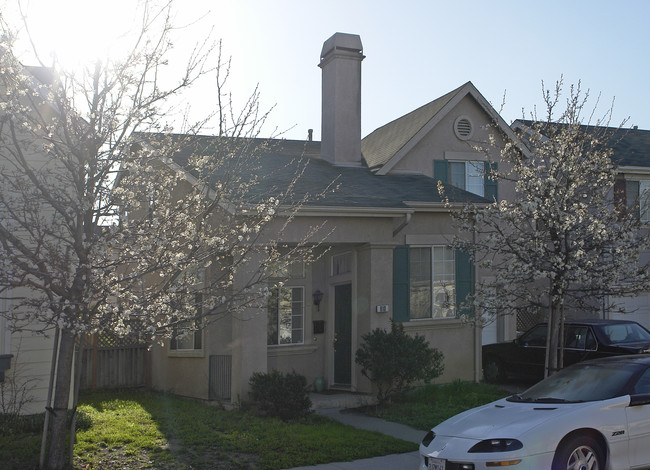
column 343, row 43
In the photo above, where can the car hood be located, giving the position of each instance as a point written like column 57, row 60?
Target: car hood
column 503, row 419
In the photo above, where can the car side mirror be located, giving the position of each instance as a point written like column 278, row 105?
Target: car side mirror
column 640, row 399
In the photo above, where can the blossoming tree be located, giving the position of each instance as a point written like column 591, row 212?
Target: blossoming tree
column 101, row 230
column 562, row 242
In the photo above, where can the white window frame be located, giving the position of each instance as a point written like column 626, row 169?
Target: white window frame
column 473, row 181
column 189, row 342
column 290, row 312
column 184, row 333
column 644, row 201
column 445, row 285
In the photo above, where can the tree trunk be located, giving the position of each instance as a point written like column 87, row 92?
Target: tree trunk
column 56, row 457
column 553, row 343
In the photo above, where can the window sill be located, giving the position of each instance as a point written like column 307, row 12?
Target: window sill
column 433, row 323
column 290, row 349
column 186, row 353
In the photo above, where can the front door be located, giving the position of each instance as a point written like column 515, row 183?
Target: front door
column 343, row 334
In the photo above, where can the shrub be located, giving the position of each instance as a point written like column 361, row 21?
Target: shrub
column 393, row 361
column 281, row 396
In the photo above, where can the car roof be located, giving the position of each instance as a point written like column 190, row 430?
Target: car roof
column 595, row 322
column 638, row 359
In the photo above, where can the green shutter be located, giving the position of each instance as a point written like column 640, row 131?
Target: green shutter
column 441, row 170
column 491, row 185
column 464, row 281
column 401, row 283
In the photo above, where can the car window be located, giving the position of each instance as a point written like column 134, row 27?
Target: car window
column 625, row 333
column 576, row 337
column 591, row 344
column 534, row 337
column 643, row 384
column 583, row 382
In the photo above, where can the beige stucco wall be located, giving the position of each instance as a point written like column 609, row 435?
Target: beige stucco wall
column 455, row 340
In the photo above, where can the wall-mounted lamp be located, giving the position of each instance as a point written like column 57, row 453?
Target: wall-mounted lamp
column 318, row 296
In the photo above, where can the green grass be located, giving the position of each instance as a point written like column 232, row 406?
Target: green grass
column 147, row 430
column 427, row 406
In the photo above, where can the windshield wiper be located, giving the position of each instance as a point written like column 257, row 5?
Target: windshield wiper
column 518, row 398
column 554, row 400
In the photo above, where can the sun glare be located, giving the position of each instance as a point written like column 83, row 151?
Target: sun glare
column 78, row 32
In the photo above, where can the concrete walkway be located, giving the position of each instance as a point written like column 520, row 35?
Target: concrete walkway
column 407, row 461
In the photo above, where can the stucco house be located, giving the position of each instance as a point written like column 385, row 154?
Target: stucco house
column 388, row 254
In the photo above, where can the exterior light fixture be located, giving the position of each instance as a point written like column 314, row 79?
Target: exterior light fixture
column 318, row 296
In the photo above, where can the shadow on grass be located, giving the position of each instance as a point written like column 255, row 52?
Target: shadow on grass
column 140, row 429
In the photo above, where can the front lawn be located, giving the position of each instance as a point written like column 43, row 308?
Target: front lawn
column 427, row 406
column 147, row 430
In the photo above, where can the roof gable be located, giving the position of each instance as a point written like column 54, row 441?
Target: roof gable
column 386, row 146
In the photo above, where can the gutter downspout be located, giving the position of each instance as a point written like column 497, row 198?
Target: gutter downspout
column 477, row 328
column 405, row 222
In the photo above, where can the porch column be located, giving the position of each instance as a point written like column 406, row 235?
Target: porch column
column 248, row 336
column 374, row 292
column 374, row 287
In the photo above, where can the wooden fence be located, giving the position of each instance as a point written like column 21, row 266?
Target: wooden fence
column 111, row 362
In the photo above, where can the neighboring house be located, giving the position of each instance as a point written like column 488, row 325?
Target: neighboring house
column 631, row 155
column 28, row 352
column 5, row 349
column 388, row 254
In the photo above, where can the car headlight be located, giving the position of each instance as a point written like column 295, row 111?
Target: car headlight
column 496, row 445
column 426, row 440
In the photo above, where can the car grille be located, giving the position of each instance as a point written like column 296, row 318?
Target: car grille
column 453, row 465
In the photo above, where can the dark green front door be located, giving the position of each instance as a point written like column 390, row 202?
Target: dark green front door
column 343, row 334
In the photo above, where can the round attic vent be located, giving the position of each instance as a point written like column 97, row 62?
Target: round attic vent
column 463, row 128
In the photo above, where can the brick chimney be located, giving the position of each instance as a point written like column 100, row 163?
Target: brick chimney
column 340, row 61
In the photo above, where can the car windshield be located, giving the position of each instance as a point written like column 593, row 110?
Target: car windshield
column 620, row 333
column 584, row 382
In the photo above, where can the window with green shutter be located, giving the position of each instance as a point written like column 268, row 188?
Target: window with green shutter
column 471, row 176
column 430, row 282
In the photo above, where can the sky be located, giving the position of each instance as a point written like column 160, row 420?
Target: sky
column 416, row 51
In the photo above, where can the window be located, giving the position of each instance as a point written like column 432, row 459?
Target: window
column 468, row 176
column 432, row 282
column 286, row 316
column 292, row 270
column 534, row 338
column 187, row 335
column 579, row 337
column 638, row 192
column 474, row 176
column 341, row 263
column 644, row 200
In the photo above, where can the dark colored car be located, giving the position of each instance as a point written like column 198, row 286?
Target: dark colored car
column 524, row 357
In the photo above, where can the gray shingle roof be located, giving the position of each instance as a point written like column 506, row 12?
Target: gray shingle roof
column 383, row 143
column 354, row 187
column 630, row 147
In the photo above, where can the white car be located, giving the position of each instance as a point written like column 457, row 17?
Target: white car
column 594, row 415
